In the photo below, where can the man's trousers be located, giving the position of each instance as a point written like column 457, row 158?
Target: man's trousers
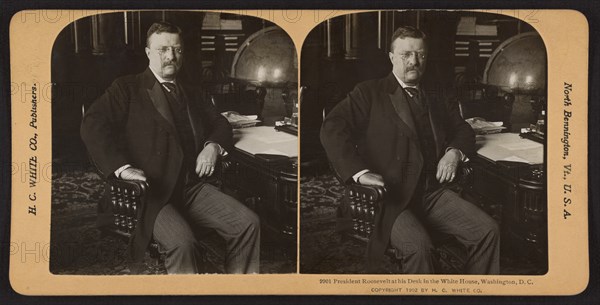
column 204, row 206
column 443, row 211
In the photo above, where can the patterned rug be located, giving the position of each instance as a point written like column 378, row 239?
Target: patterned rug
column 78, row 247
column 322, row 250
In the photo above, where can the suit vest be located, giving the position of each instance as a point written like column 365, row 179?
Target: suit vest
column 420, row 114
column 181, row 119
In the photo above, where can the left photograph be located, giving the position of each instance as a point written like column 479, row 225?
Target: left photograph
column 174, row 145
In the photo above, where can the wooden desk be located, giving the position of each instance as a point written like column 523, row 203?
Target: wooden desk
column 514, row 193
column 263, row 175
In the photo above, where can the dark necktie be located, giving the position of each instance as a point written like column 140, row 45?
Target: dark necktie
column 415, row 95
column 413, row 92
column 171, row 89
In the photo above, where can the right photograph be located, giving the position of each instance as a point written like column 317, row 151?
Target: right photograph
column 423, row 144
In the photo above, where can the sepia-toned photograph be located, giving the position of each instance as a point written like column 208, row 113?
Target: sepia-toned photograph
column 174, row 145
column 300, row 152
column 423, row 140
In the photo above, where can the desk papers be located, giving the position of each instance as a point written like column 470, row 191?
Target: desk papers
column 240, row 121
column 510, row 147
column 265, row 140
column 481, row 126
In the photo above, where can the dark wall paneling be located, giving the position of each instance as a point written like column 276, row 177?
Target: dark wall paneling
column 90, row 53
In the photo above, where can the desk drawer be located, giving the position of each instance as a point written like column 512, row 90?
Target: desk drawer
column 269, row 190
column 492, row 192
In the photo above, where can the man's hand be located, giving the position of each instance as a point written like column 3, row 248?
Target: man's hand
column 369, row 178
column 448, row 165
column 207, row 160
column 133, row 174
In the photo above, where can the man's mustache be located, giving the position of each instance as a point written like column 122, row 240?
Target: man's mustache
column 170, row 63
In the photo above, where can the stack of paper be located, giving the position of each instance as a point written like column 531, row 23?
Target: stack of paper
column 481, row 126
column 240, row 121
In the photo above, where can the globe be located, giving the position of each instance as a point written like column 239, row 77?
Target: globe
column 267, row 58
column 518, row 68
column 518, row 65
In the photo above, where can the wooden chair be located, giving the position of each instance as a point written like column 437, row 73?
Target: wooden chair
column 365, row 202
column 126, row 200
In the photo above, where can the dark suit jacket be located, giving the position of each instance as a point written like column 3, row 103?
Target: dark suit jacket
column 131, row 123
column 373, row 128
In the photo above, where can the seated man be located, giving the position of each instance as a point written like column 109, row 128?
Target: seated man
column 155, row 127
column 395, row 133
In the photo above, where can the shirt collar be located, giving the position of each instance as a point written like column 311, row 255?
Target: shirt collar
column 404, row 86
column 402, row 83
column 160, row 79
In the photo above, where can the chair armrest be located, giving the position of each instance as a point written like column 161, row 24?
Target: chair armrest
column 365, row 201
column 126, row 199
column 464, row 177
column 466, row 170
column 370, row 192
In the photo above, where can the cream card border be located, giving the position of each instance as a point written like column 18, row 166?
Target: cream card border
column 32, row 34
